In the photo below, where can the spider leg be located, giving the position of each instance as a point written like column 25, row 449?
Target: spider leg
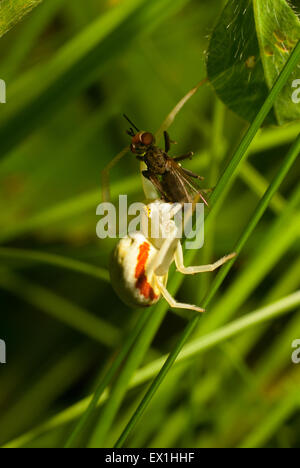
column 165, row 256
column 105, row 174
column 172, row 115
column 172, row 302
column 198, row 269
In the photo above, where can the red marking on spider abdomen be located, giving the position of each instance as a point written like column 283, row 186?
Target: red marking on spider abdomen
column 140, row 273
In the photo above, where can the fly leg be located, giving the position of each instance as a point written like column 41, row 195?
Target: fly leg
column 167, row 142
column 183, row 157
column 192, row 174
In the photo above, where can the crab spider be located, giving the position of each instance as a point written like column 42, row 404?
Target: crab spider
column 140, row 263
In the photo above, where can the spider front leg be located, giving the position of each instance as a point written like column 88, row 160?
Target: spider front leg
column 198, row 269
column 160, row 267
column 105, row 174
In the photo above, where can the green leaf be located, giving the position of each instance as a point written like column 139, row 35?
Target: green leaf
column 248, row 49
column 11, row 12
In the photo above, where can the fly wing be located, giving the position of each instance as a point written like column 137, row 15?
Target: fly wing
column 183, row 179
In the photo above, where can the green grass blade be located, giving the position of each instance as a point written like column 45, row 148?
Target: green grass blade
column 216, row 197
column 259, row 185
column 258, row 317
column 32, row 256
column 61, row 309
column 31, row 30
column 236, row 369
column 192, row 350
column 282, row 235
column 273, row 137
column 66, row 209
column 106, row 380
column 278, row 415
column 120, row 386
column 205, row 343
column 241, row 151
column 88, row 200
column 264, row 203
column 44, row 389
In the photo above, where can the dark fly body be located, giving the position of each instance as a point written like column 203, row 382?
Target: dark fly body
column 174, row 183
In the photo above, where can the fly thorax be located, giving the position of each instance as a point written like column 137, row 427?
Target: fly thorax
column 155, row 161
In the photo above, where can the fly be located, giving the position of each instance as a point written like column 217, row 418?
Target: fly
column 175, row 183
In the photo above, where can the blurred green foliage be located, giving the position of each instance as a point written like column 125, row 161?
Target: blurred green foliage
column 71, row 72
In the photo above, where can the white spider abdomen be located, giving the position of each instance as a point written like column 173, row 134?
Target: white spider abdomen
column 128, row 271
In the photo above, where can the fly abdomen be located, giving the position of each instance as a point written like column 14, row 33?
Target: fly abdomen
column 174, row 190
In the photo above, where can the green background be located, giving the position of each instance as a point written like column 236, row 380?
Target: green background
column 71, row 72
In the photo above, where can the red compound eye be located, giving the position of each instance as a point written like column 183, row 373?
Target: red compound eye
column 136, row 140
column 143, row 138
column 147, row 138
